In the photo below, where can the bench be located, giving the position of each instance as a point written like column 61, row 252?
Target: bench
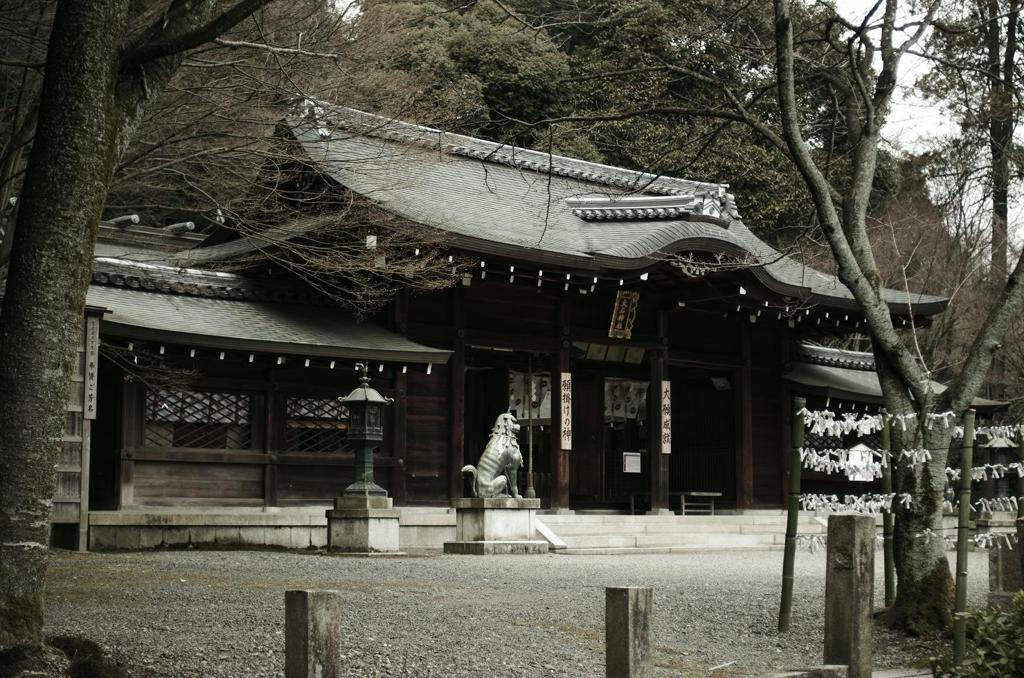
column 637, row 500
column 696, row 503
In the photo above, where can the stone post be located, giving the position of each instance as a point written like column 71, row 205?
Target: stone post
column 849, row 592
column 312, row 634
column 627, row 631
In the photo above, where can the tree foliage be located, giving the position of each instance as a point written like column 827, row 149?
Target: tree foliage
column 975, row 53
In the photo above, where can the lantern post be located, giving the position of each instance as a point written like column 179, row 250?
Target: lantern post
column 364, row 519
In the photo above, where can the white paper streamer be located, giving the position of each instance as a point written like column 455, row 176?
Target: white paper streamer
column 863, row 503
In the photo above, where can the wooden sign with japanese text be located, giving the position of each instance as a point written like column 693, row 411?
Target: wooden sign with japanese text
column 565, row 410
column 92, row 355
column 624, row 314
column 666, row 417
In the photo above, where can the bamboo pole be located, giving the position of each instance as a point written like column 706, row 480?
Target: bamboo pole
column 1020, row 478
column 792, row 516
column 962, row 530
column 887, row 522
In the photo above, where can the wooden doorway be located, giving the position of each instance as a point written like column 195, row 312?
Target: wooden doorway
column 704, row 432
column 586, row 485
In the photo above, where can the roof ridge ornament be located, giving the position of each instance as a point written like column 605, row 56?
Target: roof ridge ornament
column 646, row 207
column 319, row 114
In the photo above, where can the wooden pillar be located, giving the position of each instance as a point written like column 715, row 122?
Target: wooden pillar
column 785, row 416
column 132, row 413
column 271, row 443
column 560, row 455
column 658, row 447
column 745, row 414
column 457, row 397
column 399, row 438
column 400, row 325
column 89, row 408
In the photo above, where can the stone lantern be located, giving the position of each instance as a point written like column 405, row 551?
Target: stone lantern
column 365, row 431
column 363, row 519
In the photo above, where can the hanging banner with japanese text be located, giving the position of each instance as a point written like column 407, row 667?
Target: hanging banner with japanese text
column 666, row 417
column 565, row 410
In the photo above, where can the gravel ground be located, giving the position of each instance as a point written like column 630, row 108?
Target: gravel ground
column 208, row 613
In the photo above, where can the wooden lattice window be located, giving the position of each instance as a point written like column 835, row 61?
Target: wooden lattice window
column 199, row 419
column 315, row 425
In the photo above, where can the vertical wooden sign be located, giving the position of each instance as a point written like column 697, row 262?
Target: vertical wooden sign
column 565, row 408
column 92, row 352
column 666, row 417
column 623, row 314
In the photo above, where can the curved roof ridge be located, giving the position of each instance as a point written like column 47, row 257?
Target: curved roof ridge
column 563, row 212
column 835, row 357
column 393, row 129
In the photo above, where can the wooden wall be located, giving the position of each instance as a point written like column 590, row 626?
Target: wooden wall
column 426, row 455
column 71, row 493
column 730, row 442
column 258, row 462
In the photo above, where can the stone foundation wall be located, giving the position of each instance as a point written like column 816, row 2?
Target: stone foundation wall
column 419, row 529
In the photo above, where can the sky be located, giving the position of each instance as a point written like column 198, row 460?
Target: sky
column 912, row 120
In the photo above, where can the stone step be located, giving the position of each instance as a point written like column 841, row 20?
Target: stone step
column 647, row 540
column 643, row 540
column 568, row 529
column 612, row 551
column 616, row 519
column 802, row 528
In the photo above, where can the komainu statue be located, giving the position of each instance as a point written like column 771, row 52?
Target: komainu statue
column 496, row 473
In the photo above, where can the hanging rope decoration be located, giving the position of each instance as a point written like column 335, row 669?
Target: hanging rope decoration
column 825, row 422
column 987, row 472
column 811, row 542
column 839, row 461
column 989, row 540
column 982, row 540
column 1012, row 432
column 852, row 461
column 997, row 504
column 836, row 460
column 856, row 503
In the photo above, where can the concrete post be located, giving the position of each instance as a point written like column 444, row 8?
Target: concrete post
column 627, row 631
column 849, row 592
column 312, row 634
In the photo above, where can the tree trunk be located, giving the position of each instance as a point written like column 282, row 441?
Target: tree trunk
column 1001, row 112
column 65, row 186
column 924, row 592
column 95, row 91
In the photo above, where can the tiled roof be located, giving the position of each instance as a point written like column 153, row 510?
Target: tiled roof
column 846, row 375
column 834, row 357
column 501, row 200
column 246, row 325
column 150, row 299
column 161, row 277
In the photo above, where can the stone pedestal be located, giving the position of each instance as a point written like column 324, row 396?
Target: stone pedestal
column 313, row 634
column 1004, row 565
column 489, row 526
column 627, row 632
column 362, row 524
column 849, row 592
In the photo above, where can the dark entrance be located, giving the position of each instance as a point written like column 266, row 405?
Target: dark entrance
column 703, row 432
column 488, row 376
